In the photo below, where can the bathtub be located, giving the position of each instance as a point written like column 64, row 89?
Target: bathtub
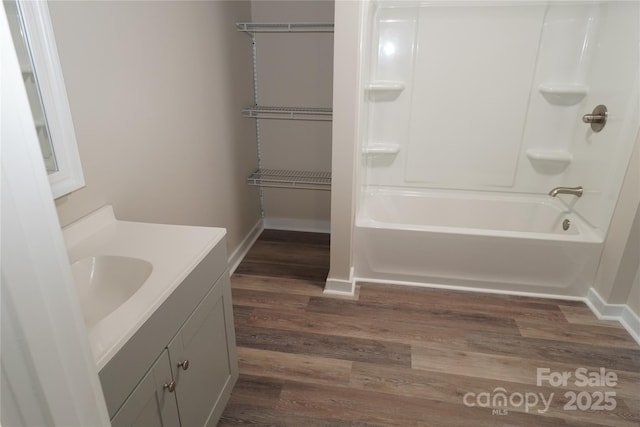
column 497, row 243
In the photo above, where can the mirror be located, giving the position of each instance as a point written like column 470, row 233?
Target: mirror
column 35, row 46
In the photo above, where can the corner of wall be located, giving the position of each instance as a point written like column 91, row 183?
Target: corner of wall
column 345, row 287
column 609, row 281
column 634, row 295
column 346, row 84
column 620, row 312
column 241, row 251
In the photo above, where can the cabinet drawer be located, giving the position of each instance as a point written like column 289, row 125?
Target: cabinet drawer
column 121, row 374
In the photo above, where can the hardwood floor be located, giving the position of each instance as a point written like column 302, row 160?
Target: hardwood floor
column 412, row 356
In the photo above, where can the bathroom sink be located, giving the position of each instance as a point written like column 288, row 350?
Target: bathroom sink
column 124, row 271
column 105, row 282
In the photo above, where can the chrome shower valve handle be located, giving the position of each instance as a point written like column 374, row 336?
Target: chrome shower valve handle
column 597, row 119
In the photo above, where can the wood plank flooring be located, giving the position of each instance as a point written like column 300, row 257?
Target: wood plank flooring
column 408, row 356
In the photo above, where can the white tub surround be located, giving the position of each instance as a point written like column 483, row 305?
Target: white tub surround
column 448, row 102
column 464, row 131
column 487, row 242
column 173, row 251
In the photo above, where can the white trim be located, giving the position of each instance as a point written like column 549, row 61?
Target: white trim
column 468, row 289
column 601, row 309
column 42, row 45
column 291, row 224
column 349, row 37
column 241, row 251
column 631, row 322
column 37, row 283
column 340, row 286
column 620, row 312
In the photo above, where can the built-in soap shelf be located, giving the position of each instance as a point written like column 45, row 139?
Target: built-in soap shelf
column 388, row 148
column 549, row 155
column 385, row 86
column 384, row 90
column 563, row 93
column 27, row 73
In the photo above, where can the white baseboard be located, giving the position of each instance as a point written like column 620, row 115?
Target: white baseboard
column 631, row 322
column 620, row 312
column 340, row 286
column 308, row 225
column 462, row 288
column 601, row 309
column 241, row 251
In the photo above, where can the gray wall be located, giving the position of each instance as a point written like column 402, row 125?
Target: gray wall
column 156, row 90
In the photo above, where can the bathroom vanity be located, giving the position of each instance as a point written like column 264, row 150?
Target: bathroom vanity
column 166, row 353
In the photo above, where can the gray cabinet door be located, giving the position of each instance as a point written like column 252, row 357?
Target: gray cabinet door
column 207, row 341
column 150, row 404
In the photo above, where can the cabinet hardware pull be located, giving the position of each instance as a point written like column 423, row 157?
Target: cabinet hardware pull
column 184, row 364
column 170, row 386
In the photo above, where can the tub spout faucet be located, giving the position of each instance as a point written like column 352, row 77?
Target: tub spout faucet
column 576, row 191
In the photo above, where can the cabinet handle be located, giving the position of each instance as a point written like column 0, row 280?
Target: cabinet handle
column 170, row 386
column 184, row 364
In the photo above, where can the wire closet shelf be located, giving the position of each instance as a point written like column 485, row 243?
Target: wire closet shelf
column 282, row 178
column 288, row 113
column 279, row 178
column 285, row 27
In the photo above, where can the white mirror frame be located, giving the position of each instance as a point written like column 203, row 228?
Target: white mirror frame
column 48, row 72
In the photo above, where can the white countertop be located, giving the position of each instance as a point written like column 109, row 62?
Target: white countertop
column 173, row 250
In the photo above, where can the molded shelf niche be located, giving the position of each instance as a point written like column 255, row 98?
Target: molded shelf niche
column 384, row 90
column 549, row 161
column 285, row 27
column 280, row 178
column 40, row 123
column 288, row 113
column 377, row 148
column 27, row 74
column 563, row 94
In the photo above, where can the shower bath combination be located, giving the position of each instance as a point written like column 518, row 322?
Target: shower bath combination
column 471, row 112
